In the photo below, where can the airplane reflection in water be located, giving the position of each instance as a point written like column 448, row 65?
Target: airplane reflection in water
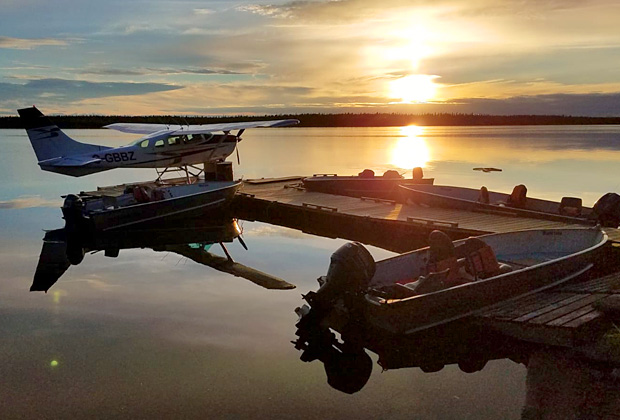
column 191, row 238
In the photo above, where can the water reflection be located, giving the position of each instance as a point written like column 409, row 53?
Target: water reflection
column 190, row 238
column 411, row 150
column 559, row 384
column 343, row 349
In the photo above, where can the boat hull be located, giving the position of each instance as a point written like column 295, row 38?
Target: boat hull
column 461, row 198
column 207, row 202
column 417, row 313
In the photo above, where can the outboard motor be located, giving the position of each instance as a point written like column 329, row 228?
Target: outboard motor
column 607, row 210
column 349, row 273
column 72, row 209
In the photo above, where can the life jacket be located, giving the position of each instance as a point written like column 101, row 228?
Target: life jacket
column 482, row 263
column 450, row 264
column 141, row 194
column 157, row 195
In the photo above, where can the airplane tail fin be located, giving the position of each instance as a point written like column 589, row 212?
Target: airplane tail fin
column 48, row 141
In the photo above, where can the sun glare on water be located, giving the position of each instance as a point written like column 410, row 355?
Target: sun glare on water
column 411, row 150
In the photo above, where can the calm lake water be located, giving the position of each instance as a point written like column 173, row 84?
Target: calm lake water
column 150, row 334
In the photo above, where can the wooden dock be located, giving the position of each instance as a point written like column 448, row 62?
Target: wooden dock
column 383, row 223
column 559, row 317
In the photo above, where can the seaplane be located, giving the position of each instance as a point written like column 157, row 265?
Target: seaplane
column 163, row 147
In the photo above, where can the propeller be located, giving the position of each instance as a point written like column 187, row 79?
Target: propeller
column 239, row 236
column 237, row 138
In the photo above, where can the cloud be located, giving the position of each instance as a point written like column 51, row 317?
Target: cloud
column 74, row 90
column 28, row 44
column 203, row 11
column 156, row 71
column 25, row 202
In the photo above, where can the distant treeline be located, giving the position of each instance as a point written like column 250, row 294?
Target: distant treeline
column 327, row 120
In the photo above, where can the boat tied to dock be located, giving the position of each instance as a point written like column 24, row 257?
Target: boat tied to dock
column 365, row 184
column 448, row 281
column 606, row 210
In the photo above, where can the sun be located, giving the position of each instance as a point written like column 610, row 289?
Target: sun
column 414, row 88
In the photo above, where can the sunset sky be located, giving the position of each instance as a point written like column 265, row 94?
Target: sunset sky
column 254, row 57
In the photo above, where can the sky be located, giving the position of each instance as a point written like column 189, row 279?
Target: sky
column 118, row 57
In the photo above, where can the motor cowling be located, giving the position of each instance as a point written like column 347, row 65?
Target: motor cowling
column 72, row 211
column 607, row 210
column 349, row 273
column 72, row 208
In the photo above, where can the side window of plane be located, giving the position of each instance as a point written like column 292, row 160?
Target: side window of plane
column 145, row 143
column 159, row 143
column 173, row 141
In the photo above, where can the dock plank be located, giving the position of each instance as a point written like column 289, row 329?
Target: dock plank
column 549, row 308
column 548, row 317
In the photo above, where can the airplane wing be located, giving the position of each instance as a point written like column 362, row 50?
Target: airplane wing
column 225, row 265
column 196, row 129
column 140, row 128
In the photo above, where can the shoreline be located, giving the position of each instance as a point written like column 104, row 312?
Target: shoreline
column 328, row 120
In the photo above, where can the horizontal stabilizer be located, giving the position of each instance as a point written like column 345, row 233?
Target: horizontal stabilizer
column 53, row 261
column 70, row 161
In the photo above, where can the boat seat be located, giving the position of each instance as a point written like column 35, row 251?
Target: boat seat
column 440, row 246
column 483, row 197
column 570, row 206
column 392, row 174
column 430, row 283
column 518, row 196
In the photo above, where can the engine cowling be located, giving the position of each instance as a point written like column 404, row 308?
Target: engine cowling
column 350, row 271
column 607, row 210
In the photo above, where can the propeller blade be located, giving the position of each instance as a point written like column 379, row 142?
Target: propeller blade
column 242, row 242
column 237, row 150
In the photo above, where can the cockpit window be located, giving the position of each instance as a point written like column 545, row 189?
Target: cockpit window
column 144, row 143
column 159, row 143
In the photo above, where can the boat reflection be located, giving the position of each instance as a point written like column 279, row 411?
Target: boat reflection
column 348, row 365
column 190, row 238
column 560, row 383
